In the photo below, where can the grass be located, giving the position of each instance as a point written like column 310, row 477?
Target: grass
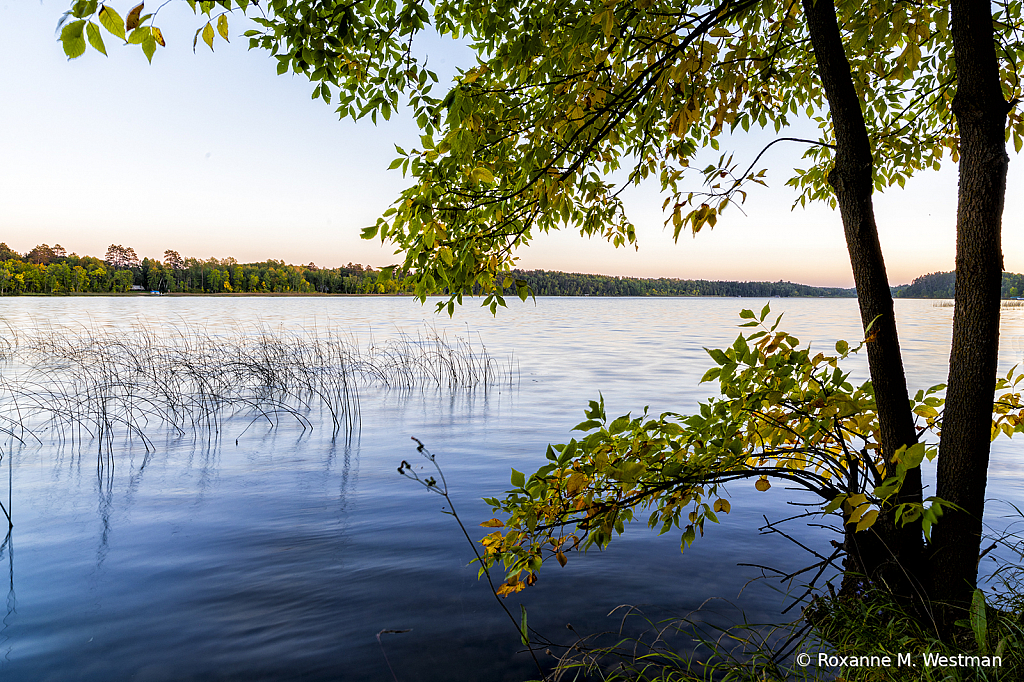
column 73, row 385
column 868, row 626
column 1004, row 304
column 692, row 648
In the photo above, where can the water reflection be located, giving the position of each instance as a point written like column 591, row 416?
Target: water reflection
column 11, row 603
column 271, row 552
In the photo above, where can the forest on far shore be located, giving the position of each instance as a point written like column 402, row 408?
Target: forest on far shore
column 51, row 270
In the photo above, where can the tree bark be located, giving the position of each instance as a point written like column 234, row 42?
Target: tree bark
column 893, row 554
column 980, row 110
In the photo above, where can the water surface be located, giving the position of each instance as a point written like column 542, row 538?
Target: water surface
column 283, row 557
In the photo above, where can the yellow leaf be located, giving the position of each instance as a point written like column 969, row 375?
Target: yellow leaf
column 481, row 174
column 493, row 523
column 926, row 411
column 511, row 586
column 858, row 506
column 208, row 35
column 222, row 26
column 575, row 484
column 561, row 558
column 159, row 37
column 867, row 520
column 722, row 506
column 762, row 484
column 854, row 501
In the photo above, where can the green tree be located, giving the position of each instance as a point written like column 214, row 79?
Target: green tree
column 79, row 279
column 566, row 92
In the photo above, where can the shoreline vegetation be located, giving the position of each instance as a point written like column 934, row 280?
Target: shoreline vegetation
column 70, row 386
column 47, row 271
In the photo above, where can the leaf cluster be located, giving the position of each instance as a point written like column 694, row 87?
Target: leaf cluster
column 784, row 414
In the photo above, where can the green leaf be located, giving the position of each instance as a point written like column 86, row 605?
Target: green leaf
column 93, row 32
column 887, row 488
column 688, row 537
column 139, row 35
column 740, row 346
column 717, row 355
column 842, row 347
column 112, row 21
column 72, row 40
column 568, row 452
column 524, row 633
column 518, row 479
column 747, row 314
column 619, row 425
column 711, row 374
column 83, row 8
column 149, row 46
column 979, row 620
column 834, row 504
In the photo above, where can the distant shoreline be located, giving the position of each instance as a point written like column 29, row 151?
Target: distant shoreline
column 316, row 294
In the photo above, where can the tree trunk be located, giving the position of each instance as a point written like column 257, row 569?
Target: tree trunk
column 980, row 111
column 892, row 555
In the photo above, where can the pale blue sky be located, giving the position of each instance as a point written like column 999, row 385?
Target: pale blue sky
column 215, row 155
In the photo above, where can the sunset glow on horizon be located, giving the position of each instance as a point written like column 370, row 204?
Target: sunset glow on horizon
column 213, row 155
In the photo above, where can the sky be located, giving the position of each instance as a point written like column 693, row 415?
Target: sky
column 214, row 155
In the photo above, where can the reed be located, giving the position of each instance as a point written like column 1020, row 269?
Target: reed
column 1010, row 303
column 74, row 385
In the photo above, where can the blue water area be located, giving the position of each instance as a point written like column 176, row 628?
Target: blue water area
column 288, row 554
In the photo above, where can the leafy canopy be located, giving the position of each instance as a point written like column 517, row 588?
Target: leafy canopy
column 565, row 93
column 783, row 415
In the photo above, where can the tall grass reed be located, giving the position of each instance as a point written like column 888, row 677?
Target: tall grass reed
column 75, row 385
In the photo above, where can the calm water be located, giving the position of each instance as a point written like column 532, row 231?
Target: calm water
column 282, row 557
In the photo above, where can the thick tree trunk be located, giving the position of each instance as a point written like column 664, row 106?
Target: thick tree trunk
column 980, row 110
column 893, row 554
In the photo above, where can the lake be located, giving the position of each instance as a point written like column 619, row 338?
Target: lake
column 282, row 556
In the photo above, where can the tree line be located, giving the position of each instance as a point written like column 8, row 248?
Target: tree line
column 51, row 270
column 943, row 285
column 554, row 283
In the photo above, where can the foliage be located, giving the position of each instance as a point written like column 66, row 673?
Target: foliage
column 48, row 270
column 943, row 285
column 553, row 283
column 877, row 625
column 689, row 648
column 564, row 94
column 783, row 415
column 870, row 627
